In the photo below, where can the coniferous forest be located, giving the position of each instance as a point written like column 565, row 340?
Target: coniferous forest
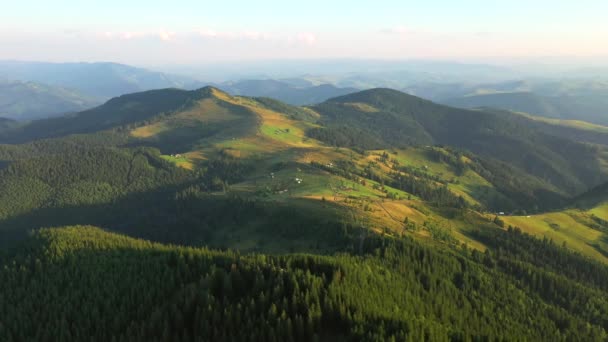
column 82, row 283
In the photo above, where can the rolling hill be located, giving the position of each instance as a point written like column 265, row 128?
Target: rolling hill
column 382, row 118
column 29, row 100
column 119, row 111
column 178, row 151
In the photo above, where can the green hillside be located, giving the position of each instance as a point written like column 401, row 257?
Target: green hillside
column 115, row 113
column 383, row 290
column 382, row 118
column 574, row 130
column 174, row 166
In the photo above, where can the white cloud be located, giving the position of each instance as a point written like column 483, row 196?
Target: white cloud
column 130, row 35
column 162, row 35
column 396, row 30
column 166, row 35
column 307, row 38
column 250, row 35
column 208, row 33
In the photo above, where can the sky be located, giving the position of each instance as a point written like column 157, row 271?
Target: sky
column 189, row 32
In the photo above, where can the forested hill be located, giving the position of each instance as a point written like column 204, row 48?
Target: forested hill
column 82, row 283
column 382, row 118
column 119, row 111
column 593, row 197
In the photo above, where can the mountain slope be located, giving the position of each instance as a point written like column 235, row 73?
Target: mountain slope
column 574, row 130
column 387, row 290
column 119, row 111
column 98, row 80
column 383, row 118
column 29, row 100
column 174, row 165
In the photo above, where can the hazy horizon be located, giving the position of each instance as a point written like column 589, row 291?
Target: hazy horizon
column 191, row 33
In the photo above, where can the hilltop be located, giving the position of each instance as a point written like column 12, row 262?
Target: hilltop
column 382, row 118
column 187, row 160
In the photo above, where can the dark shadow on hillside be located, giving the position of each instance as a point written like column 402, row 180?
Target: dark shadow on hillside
column 517, row 200
column 156, row 278
column 592, row 198
column 186, row 135
column 214, row 220
column 119, row 111
column 178, row 139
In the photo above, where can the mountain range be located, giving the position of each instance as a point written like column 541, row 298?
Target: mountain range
column 35, row 90
column 525, row 163
column 591, row 108
column 294, row 92
column 100, row 80
column 374, row 215
column 29, row 100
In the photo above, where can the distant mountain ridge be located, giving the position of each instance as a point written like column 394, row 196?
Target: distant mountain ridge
column 592, row 107
column 71, row 87
column 518, row 101
column 289, row 91
column 30, row 100
column 101, row 80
